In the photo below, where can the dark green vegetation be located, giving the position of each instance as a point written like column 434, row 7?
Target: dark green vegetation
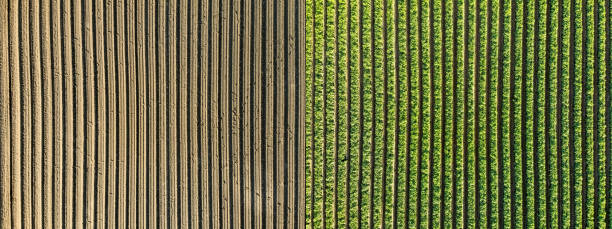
column 468, row 114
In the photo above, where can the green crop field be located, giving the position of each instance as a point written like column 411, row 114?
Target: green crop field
column 521, row 114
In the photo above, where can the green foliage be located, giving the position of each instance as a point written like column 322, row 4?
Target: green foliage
column 408, row 78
